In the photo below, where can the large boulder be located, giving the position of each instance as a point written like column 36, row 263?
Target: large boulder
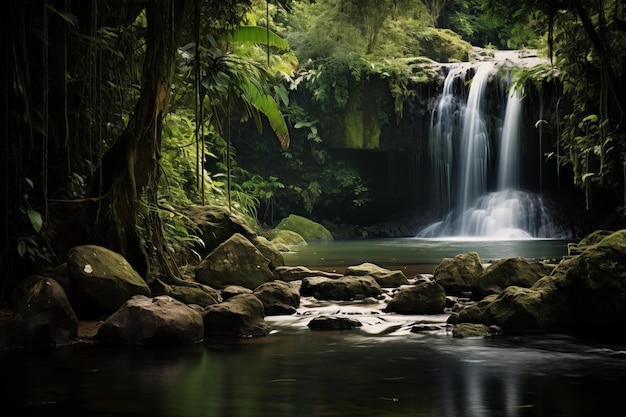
column 43, row 316
column 458, row 274
column 425, row 297
column 503, row 273
column 158, row 320
column 216, row 224
column 234, row 262
column 343, row 289
column 101, row 280
column 308, row 229
column 596, row 286
column 278, row 298
column 386, row 278
column 239, row 316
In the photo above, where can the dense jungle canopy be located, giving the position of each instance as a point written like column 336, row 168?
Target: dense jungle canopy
column 119, row 113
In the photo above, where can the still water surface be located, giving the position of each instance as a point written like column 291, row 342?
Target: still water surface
column 380, row 370
column 419, row 254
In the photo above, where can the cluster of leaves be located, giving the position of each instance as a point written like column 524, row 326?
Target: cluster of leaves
column 586, row 44
column 502, row 24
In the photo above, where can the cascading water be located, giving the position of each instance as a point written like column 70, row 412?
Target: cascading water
column 503, row 213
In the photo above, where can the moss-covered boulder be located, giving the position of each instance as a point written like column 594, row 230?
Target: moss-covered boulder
column 426, row 297
column 345, row 288
column 234, row 262
column 102, row 280
column 458, row 274
column 385, row 277
column 443, row 45
column 284, row 240
column 308, row 229
column 505, row 273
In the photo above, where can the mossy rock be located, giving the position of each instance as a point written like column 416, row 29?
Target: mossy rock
column 594, row 237
column 444, row 45
column 308, row 229
column 283, row 237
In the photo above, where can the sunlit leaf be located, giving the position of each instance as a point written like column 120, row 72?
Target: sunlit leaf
column 35, row 220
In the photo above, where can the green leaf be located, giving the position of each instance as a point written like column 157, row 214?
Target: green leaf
column 35, row 219
column 266, row 105
column 282, row 93
column 21, row 248
column 258, row 34
column 591, row 118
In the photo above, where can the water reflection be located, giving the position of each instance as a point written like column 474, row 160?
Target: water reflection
column 296, row 372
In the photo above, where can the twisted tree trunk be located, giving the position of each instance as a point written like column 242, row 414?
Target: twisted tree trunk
column 127, row 178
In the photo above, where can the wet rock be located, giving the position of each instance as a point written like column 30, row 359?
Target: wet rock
column 427, row 327
column 194, row 293
column 233, row 290
column 333, row 323
column 158, row 320
column 345, row 288
column 43, row 316
column 278, row 298
column 234, row 262
column 238, row 317
column 386, row 278
column 458, row 274
column 102, row 280
column 423, row 298
column 471, row 330
column 296, row 273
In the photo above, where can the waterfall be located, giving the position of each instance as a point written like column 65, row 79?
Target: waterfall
column 474, row 146
column 443, row 124
column 460, row 145
column 509, row 164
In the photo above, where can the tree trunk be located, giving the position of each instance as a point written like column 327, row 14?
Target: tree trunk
column 127, row 179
